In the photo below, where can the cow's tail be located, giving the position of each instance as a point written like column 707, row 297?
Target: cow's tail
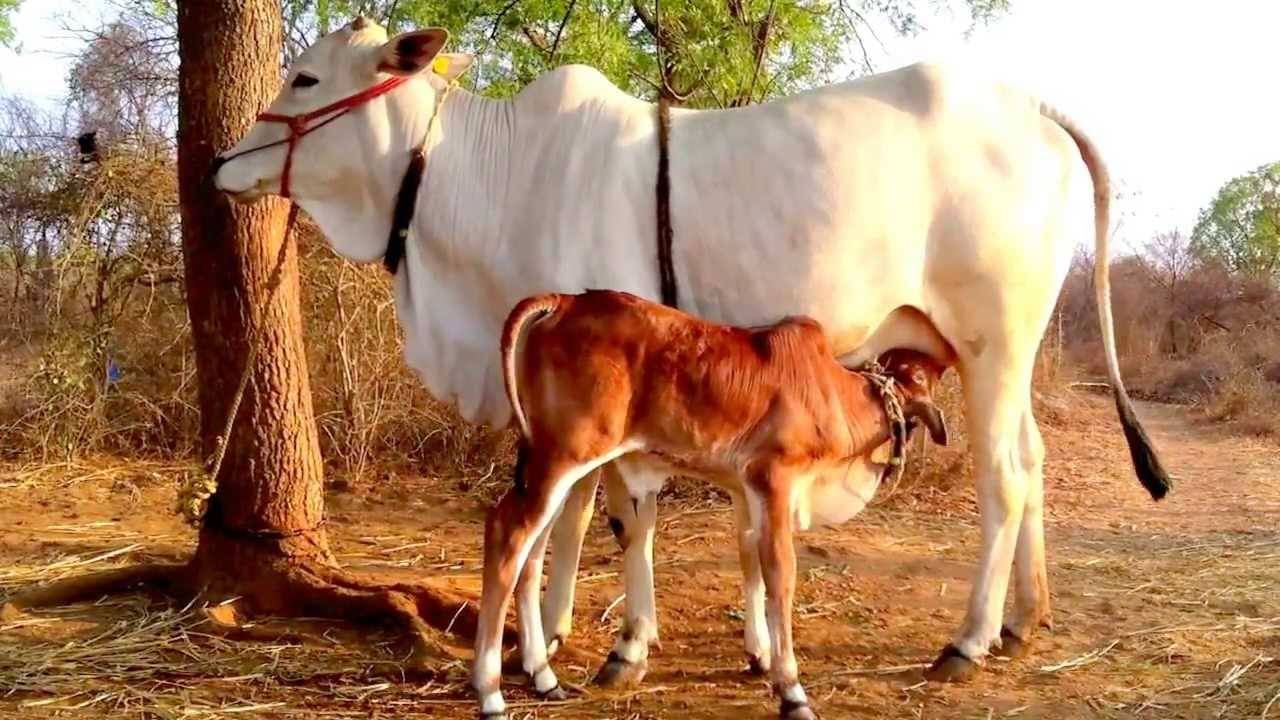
column 526, row 312
column 1146, row 463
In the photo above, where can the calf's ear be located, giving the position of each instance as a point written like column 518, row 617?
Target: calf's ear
column 929, row 414
column 411, row 52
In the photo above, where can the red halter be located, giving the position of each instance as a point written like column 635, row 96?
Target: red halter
column 300, row 125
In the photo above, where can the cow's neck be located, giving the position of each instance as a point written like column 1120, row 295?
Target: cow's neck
column 447, row 280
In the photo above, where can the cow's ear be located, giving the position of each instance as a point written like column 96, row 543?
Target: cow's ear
column 451, row 66
column 411, row 52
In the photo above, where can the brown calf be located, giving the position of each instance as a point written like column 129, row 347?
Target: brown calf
column 768, row 413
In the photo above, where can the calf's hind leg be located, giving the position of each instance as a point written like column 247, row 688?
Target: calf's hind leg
column 511, row 530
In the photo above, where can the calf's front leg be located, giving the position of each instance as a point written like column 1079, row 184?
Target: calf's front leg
column 769, row 503
column 756, row 623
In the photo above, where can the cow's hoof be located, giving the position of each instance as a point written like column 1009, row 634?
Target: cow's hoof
column 796, row 711
column 756, row 666
column 1011, row 646
column 951, row 667
column 494, row 716
column 618, row 673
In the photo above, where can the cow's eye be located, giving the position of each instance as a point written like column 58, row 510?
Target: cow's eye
column 303, row 80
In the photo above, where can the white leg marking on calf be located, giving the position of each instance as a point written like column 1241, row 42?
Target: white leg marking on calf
column 492, row 704
column 756, row 625
column 533, row 645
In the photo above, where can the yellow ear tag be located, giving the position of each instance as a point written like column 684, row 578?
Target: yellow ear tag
column 440, row 65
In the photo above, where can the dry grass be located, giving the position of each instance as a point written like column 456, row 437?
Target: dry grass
column 1163, row 611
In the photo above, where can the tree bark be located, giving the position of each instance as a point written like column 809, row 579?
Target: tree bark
column 270, row 497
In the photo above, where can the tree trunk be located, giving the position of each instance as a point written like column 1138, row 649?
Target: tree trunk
column 270, row 497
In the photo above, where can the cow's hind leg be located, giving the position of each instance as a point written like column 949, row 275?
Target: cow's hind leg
column 1031, row 609
column 996, row 393
column 632, row 505
column 567, row 534
column 512, row 528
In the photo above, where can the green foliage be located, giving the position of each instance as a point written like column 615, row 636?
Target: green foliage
column 706, row 53
column 1241, row 227
column 7, row 10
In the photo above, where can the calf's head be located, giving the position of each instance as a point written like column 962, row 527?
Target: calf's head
column 917, row 374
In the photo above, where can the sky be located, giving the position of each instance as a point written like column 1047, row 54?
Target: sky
column 1180, row 96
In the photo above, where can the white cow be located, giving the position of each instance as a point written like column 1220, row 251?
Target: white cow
column 864, row 205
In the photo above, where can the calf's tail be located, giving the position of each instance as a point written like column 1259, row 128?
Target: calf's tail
column 525, row 313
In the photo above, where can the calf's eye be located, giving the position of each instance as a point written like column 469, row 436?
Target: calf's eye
column 302, row 81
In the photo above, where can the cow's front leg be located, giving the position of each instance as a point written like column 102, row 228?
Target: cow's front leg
column 632, row 506
column 756, row 624
column 769, row 497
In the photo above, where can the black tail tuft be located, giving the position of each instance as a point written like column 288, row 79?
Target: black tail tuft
column 1151, row 472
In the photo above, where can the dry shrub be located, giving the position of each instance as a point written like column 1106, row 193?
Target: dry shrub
column 1188, row 332
column 1250, row 401
column 373, row 413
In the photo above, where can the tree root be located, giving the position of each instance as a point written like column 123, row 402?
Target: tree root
column 312, row 585
column 93, row 586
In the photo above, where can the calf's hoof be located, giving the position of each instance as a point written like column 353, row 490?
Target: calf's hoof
column 1011, row 646
column 756, row 666
column 951, row 666
column 493, row 715
column 796, row 711
column 555, row 694
column 619, row 673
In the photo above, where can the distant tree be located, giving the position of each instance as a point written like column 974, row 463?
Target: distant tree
column 124, row 81
column 706, row 53
column 7, row 9
column 1241, row 227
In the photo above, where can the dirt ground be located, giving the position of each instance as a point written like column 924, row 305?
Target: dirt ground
column 1168, row 610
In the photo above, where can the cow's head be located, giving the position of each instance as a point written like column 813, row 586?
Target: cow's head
column 917, row 375
column 338, row 66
